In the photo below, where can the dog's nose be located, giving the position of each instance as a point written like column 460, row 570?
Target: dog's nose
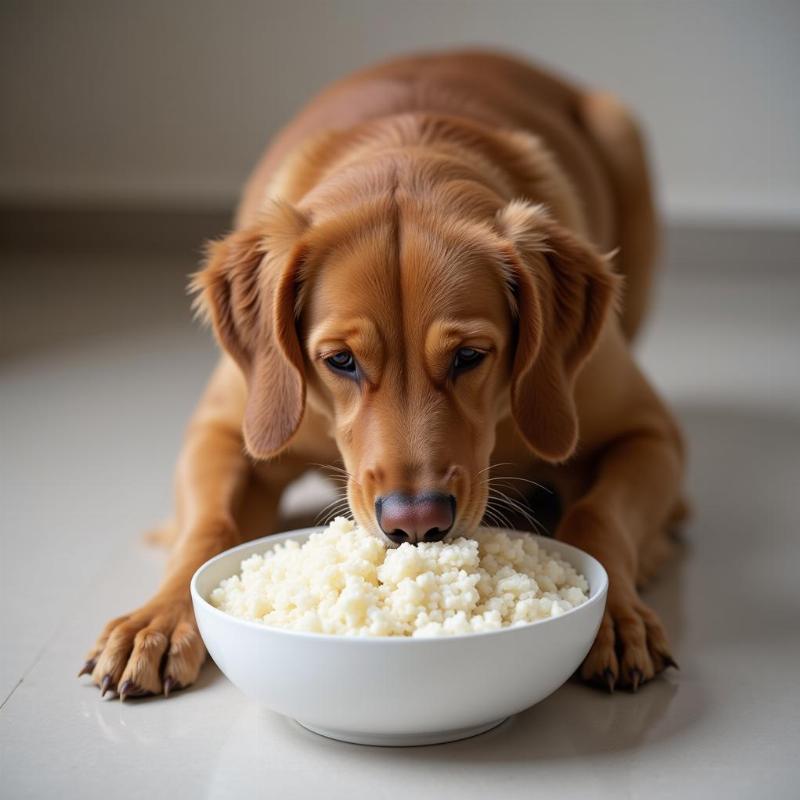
column 425, row 517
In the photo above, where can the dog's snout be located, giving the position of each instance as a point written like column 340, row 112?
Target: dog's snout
column 425, row 517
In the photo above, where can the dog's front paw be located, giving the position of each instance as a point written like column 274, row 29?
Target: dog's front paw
column 152, row 650
column 631, row 646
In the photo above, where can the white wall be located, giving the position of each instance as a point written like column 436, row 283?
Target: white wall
column 170, row 102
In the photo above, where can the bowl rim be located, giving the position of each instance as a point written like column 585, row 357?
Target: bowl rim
column 595, row 597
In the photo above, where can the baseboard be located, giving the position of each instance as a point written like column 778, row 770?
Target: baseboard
column 96, row 228
column 752, row 247
column 688, row 245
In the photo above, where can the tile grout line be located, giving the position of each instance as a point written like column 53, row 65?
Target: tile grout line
column 16, row 686
column 38, row 657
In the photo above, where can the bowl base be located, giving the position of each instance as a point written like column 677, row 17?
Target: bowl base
column 403, row 739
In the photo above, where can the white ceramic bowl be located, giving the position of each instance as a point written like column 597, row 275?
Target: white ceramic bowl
column 397, row 690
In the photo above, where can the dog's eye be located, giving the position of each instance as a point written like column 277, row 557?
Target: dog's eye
column 342, row 361
column 467, row 358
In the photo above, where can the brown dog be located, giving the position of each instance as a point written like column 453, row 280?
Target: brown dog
column 416, row 285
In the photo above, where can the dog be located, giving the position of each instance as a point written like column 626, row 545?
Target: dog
column 436, row 268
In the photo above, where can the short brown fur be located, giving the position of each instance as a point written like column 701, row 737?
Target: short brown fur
column 428, row 204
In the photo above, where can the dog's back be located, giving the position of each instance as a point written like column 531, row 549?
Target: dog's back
column 592, row 137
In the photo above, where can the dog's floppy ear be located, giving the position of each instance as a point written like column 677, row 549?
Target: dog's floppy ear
column 563, row 291
column 247, row 290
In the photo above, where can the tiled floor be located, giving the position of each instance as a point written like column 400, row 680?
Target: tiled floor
column 100, row 368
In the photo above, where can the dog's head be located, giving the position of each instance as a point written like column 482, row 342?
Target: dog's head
column 413, row 334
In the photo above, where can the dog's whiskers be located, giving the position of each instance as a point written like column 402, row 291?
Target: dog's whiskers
column 490, row 517
column 495, row 515
column 523, row 480
column 337, row 481
column 498, row 501
column 340, row 505
column 492, row 466
column 515, row 507
column 340, row 512
column 492, row 482
column 335, row 508
column 338, row 473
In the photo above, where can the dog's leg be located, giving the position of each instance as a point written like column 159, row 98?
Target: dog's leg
column 630, row 503
column 157, row 647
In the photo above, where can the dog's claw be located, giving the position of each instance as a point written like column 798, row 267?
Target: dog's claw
column 88, row 667
column 669, row 661
column 636, row 679
column 169, row 684
column 610, row 680
column 105, row 685
column 126, row 689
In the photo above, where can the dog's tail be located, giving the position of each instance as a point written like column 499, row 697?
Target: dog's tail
column 620, row 142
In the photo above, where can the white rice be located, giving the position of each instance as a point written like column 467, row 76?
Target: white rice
column 345, row 581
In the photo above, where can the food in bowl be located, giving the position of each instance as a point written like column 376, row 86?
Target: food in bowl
column 345, row 581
